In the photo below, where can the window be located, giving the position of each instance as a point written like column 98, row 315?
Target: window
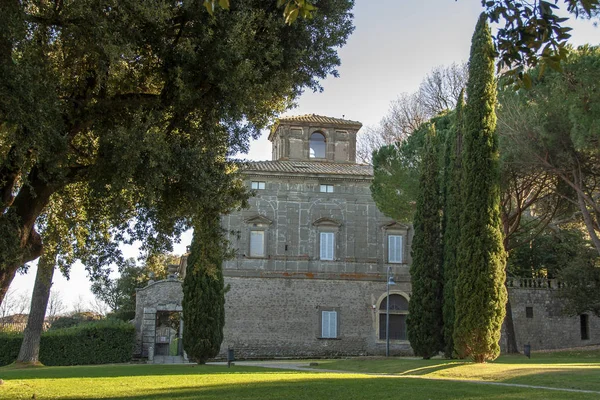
column 398, row 312
column 584, row 326
column 394, row 249
column 326, row 188
column 528, row 312
column 257, row 243
column 329, row 324
column 327, row 245
column 258, row 185
column 317, row 145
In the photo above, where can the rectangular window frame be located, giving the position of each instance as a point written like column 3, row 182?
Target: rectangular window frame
column 332, row 330
column 395, row 255
column 327, row 246
column 326, row 188
column 258, row 185
column 528, row 312
column 329, row 324
column 256, row 233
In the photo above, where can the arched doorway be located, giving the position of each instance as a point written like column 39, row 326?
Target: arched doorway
column 398, row 312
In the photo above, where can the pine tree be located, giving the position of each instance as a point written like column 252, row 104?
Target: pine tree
column 203, row 291
column 451, row 226
column 480, row 292
column 425, row 307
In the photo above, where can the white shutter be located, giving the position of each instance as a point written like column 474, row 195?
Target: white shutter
column 324, row 324
column 394, row 248
column 257, row 243
column 327, row 245
column 332, row 324
column 329, row 324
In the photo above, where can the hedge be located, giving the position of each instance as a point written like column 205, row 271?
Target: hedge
column 102, row 342
column 10, row 344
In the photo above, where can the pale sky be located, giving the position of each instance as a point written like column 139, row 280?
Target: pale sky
column 395, row 44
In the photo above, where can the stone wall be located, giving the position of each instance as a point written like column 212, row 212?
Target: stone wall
column 547, row 327
column 165, row 295
column 280, row 317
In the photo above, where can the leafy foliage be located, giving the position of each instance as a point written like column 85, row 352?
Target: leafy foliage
column 75, row 319
column 119, row 293
column 533, row 33
column 131, row 103
column 396, row 168
column 425, row 321
column 553, row 129
column 480, row 292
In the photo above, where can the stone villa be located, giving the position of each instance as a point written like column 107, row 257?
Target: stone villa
column 312, row 256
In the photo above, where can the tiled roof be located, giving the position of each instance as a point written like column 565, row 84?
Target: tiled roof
column 317, row 119
column 311, row 167
column 320, row 119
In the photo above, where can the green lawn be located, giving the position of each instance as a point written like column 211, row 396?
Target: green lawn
column 573, row 370
column 212, row 382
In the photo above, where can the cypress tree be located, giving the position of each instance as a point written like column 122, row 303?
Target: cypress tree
column 425, row 306
column 203, row 290
column 451, row 226
column 480, row 292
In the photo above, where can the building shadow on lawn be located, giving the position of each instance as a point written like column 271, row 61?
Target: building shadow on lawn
column 381, row 388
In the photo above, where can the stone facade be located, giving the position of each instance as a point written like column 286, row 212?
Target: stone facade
column 539, row 319
column 306, row 198
column 312, row 256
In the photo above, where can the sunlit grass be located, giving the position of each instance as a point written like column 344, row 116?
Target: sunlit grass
column 212, row 382
column 575, row 370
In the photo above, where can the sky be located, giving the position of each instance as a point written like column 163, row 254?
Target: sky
column 394, row 45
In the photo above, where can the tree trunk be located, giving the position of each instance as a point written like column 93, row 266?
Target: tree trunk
column 509, row 329
column 26, row 208
column 30, row 348
column 589, row 223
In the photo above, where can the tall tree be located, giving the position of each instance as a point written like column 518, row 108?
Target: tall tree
column 425, row 320
column 126, row 99
column 480, row 292
column 204, row 290
column 553, row 129
column 453, row 205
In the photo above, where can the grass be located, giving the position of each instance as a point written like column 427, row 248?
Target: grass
column 572, row 370
column 239, row 382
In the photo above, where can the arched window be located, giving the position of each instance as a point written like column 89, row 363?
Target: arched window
column 398, row 312
column 317, row 145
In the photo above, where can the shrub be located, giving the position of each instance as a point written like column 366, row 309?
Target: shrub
column 10, row 344
column 101, row 342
